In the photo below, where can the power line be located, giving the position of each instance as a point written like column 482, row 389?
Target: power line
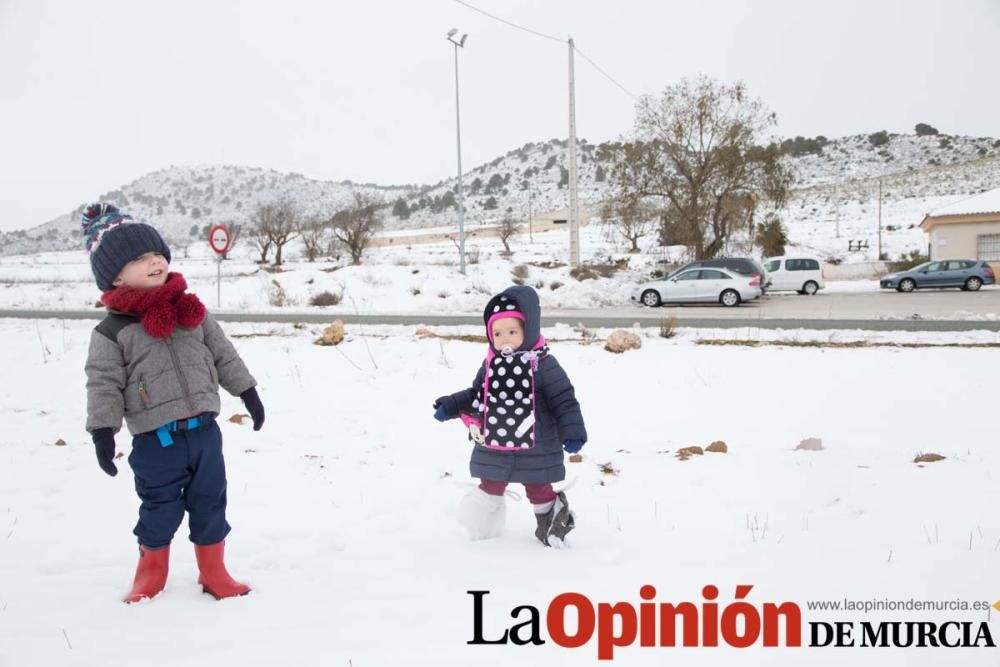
column 554, row 39
column 513, row 25
column 606, row 75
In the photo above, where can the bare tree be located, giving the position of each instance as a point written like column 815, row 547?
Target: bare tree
column 471, row 251
column 260, row 232
column 508, row 227
column 699, row 157
column 632, row 219
column 286, row 227
column 274, row 223
column 183, row 244
column 333, row 247
column 314, row 235
column 355, row 226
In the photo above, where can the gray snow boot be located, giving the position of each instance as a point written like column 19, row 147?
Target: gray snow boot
column 556, row 523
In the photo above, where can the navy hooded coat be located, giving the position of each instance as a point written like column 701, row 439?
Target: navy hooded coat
column 557, row 412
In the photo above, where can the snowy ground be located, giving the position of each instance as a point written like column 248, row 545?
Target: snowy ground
column 343, row 505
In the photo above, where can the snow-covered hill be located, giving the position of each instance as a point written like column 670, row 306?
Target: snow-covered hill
column 836, row 190
column 181, row 201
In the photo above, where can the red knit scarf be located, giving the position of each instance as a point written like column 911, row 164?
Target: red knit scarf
column 161, row 308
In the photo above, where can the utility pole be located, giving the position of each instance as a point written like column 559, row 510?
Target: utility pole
column 836, row 209
column 458, row 134
column 531, row 238
column 879, row 257
column 574, row 212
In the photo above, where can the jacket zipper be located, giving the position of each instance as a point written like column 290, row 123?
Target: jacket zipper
column 143, row 396
column 169, row 340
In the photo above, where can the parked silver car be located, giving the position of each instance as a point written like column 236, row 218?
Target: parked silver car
column 969, row 274
column 745, row 265
column 699, row 286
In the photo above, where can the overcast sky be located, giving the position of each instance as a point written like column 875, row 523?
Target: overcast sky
column 95, row 94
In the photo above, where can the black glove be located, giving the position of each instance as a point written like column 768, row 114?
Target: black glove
column 104, row 443
column 256, row 408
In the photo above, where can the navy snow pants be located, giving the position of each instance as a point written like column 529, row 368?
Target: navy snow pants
column 189, row 475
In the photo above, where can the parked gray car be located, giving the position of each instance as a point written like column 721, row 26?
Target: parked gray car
column 968, row 274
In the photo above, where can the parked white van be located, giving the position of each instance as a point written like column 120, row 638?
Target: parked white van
column 795, row 274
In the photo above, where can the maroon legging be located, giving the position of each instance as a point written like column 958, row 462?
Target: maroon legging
column 537, row 493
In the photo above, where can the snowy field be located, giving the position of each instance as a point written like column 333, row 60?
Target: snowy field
column 343, row 505
column 421, row 278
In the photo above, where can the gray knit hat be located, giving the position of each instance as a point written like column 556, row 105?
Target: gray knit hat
column 114, row 240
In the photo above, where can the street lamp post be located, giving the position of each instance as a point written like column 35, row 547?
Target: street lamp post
column 531, row 237
column 458, row 135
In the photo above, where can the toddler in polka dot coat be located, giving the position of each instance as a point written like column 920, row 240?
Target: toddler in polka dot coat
column 522, row 412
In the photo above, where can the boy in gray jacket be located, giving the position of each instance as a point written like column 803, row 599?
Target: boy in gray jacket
column 157, row 361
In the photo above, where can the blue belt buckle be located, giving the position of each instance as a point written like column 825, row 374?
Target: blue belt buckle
column 163, row 433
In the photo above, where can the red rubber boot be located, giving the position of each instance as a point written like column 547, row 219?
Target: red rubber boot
column 213, row 577
column 151, row 573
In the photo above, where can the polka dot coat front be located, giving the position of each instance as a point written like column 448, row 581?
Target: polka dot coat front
column 525, row 446
column 507, row 404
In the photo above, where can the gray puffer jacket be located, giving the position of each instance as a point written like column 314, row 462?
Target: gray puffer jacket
column 154, row 381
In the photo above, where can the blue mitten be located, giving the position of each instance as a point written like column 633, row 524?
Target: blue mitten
column 440, row 411
column 573, row 446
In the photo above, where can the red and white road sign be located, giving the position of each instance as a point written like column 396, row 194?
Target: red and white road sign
column 218, row 238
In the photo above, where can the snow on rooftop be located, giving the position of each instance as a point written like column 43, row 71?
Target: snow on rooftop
column 985, row 202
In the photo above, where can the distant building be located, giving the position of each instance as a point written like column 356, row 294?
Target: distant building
column 561, row 216
column 967, row 229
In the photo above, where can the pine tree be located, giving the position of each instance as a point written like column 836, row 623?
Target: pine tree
column 772, row 238
column 400, row 209
column 879, row 138
column 494, row 184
